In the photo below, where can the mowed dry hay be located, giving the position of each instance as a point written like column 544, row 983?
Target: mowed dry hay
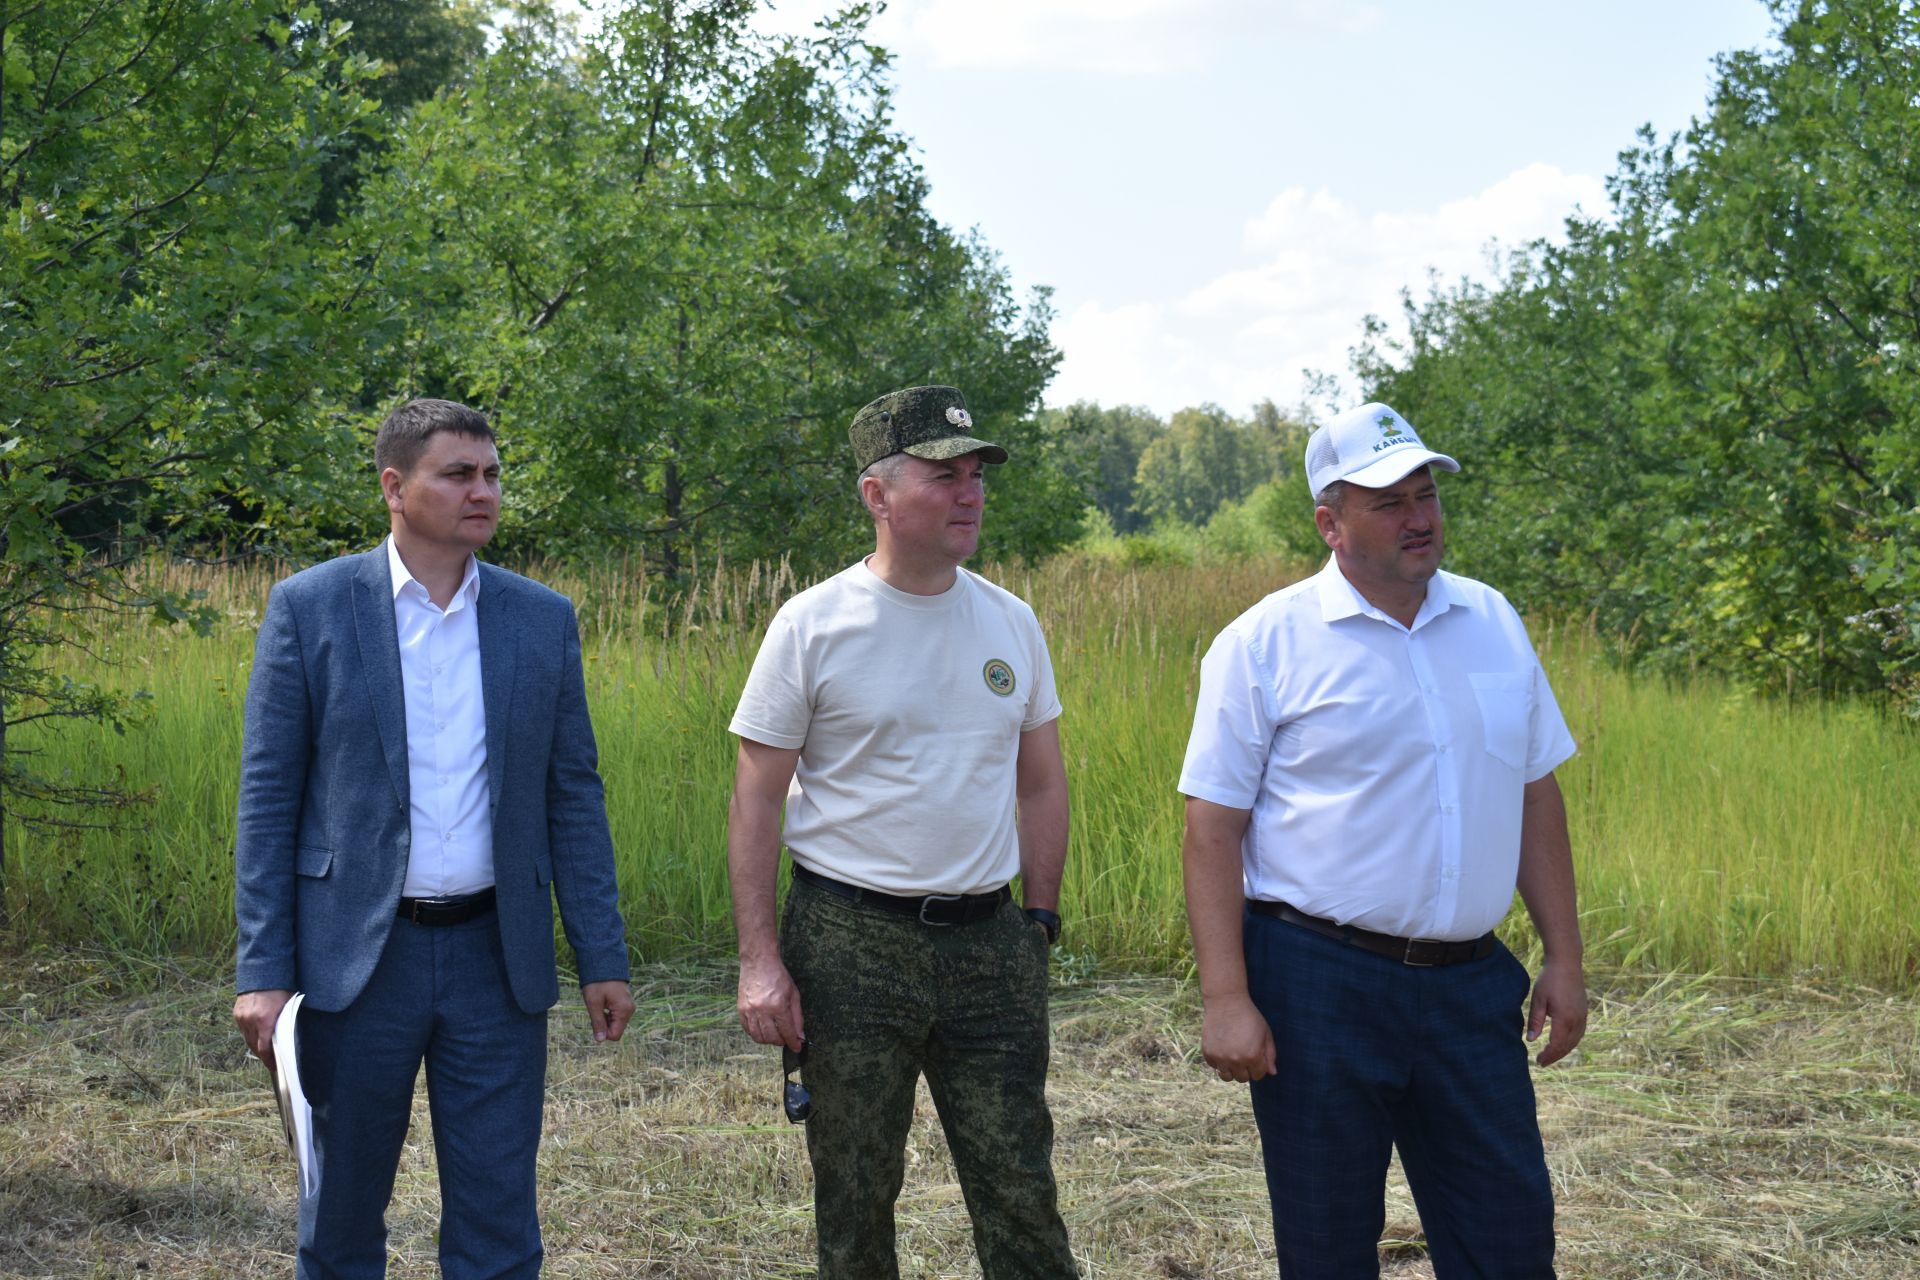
column 1711, row 1128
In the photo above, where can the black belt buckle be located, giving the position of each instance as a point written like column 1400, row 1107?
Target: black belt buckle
column 445, row 911
column 933, row 898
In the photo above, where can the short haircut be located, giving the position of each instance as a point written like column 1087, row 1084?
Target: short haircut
column 1334, row 495
column 886, row 470
column 403, row 436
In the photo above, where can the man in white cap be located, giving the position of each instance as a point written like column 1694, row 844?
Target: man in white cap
column 1370, row 776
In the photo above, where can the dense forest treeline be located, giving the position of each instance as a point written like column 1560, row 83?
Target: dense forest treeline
column 671, row 256
column 668, row 258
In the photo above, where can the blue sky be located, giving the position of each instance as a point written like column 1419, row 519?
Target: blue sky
column 1218, row 191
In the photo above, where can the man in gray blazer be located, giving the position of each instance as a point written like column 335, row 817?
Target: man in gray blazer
column 418, row 781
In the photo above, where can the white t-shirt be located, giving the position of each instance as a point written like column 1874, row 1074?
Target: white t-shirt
column 1383, row 764
column 908, row 712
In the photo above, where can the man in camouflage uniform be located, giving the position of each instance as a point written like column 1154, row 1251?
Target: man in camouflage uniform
column 910, row 706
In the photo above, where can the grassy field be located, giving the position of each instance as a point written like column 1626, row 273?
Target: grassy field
column 1714, row 834
column 1707, row 1128
column 1753, row 1119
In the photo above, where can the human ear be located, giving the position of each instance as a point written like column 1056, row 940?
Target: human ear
column 390, row 487
column 1328, row 524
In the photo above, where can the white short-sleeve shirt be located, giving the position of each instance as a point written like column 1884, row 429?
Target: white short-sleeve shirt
column 908, row 712
column 1383, row 764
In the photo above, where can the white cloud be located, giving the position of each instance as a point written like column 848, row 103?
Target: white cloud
column 1115, row 354
column 1318, row 263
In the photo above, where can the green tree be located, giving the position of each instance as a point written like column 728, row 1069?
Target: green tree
column 1205, row 459
column 1697, row 416
column 1102, row 449
column 421, row 45
column 165, row 330
column 672, row 261
column 1281, row 441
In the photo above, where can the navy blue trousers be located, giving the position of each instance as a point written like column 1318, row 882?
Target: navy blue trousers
column 439, row 996
column 1374, row 1054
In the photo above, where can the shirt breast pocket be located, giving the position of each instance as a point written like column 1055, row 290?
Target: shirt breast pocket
column 1505, row 699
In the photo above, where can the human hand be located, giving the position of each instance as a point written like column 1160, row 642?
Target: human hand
column 1559, row 998
column 256, row 1012
column 1235, row 1038
column 769, row 1004
column 609, row 1008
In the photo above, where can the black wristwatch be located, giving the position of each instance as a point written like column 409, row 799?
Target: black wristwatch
column 1048, row 920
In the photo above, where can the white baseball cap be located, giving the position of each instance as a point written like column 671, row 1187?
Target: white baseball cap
column 1371, row 446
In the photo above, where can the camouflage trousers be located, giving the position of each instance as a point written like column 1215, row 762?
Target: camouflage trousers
column 887, row 998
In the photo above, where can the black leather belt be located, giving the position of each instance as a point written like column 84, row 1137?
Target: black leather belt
column 1423, row 952
column 437, row 911
column 927, row 908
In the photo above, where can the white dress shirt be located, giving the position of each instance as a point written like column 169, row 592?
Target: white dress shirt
column 1383, row 764
column 452, row 828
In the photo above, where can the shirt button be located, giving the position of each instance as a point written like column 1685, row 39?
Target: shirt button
column 1444, row 748
column 1446, row 808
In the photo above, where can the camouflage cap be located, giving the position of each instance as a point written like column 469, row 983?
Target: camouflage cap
column 927, row 422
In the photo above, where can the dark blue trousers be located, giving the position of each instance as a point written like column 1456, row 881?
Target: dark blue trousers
column 439, row 995
column 1374, row 1054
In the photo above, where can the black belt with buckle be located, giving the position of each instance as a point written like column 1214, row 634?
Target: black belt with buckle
column 927, row 908
column 438, row 911
column 1422, row 952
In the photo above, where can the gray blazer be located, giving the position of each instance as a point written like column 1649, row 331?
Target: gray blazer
column 321, row 850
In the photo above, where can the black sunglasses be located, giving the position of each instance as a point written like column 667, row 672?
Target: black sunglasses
column 798, row 1101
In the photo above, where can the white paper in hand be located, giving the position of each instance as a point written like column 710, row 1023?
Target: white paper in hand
column 296, row 1116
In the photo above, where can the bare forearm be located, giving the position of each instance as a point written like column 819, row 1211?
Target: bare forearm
column 1210, row 860
column 1546, row 878
column 1234, row 1037
column 768, row 1002
column 753, row 870
column 1040, row 787
column 1043, row 846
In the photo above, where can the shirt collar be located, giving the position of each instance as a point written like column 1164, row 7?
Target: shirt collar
column 1340, row 599
column 467, row 596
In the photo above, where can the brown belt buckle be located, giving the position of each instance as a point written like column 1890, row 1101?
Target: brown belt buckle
column 1408, row 959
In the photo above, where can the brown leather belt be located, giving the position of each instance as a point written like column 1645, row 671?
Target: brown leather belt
column 437, row 911
column 1420, row 952
column 927, row 908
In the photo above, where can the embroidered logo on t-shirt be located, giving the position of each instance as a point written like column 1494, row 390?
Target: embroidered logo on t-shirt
column 999, row 676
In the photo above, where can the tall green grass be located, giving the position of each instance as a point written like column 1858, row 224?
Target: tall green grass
column 1714, row 833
